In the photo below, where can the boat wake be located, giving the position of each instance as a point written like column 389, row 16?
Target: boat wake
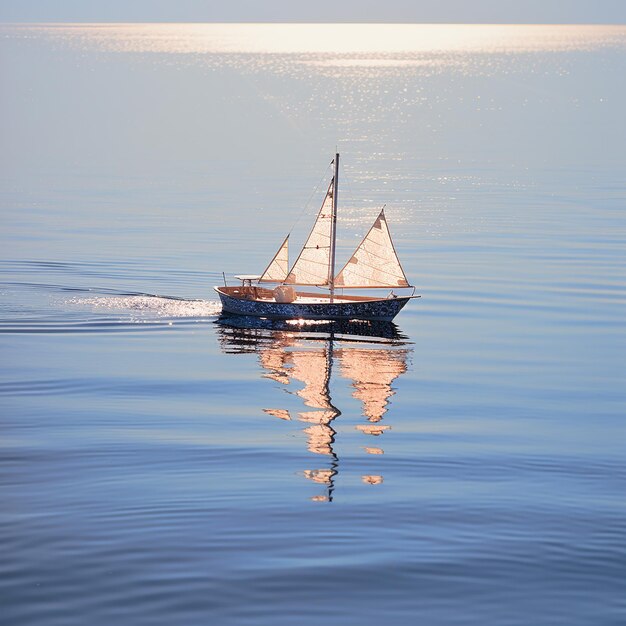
column 146, row 307
column 107, row 313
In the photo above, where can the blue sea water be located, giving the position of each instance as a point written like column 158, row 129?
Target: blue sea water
column 161, row 465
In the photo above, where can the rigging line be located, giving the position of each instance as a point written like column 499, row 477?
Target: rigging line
column 346, row 181
column 306, row 206
column 374, row 267
column 351, row 195
column 374, row 256
column 371, row 254
column 386, row 276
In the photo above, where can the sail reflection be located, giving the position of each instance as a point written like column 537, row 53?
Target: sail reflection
column 303, row 357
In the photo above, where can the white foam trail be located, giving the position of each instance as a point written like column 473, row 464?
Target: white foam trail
column 151, row 306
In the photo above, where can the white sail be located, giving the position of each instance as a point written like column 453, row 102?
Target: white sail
column 277, row 270
column 374, row 263
column 312, row 266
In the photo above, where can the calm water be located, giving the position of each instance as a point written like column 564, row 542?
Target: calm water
column 464, row 466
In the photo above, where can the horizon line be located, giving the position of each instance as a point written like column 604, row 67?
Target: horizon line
column 309, row 23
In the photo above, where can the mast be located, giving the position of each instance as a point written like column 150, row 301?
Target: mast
column 333, row 231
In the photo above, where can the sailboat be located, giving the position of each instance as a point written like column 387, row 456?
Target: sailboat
column 373, row 265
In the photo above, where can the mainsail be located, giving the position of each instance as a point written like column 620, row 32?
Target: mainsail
column 277, row 270
column 312, row 266
column 374, row 263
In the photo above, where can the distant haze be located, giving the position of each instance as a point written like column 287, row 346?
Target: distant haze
column 414, row 11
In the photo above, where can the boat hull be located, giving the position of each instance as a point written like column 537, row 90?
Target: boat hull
column 375, row 310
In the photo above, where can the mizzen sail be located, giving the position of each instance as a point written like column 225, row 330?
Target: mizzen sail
column 375, row 262
column 277, row 270
column 312, row 266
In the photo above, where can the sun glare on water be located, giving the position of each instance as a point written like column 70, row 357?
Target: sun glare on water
column 339, row 39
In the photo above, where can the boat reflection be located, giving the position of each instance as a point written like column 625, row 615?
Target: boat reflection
column 370, row 355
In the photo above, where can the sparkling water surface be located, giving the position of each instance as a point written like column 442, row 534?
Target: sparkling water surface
column 161, row 465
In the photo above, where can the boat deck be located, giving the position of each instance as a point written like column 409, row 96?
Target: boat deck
column 302, row 299
column 261, row 294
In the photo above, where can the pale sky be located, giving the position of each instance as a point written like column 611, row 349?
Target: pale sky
column 447, row 11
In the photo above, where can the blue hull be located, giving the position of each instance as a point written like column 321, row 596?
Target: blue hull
column 376, row 310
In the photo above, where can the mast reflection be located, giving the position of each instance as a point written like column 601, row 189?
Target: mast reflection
column 370, row 355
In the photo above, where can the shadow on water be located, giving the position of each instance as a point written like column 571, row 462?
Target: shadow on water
column 369, row 355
